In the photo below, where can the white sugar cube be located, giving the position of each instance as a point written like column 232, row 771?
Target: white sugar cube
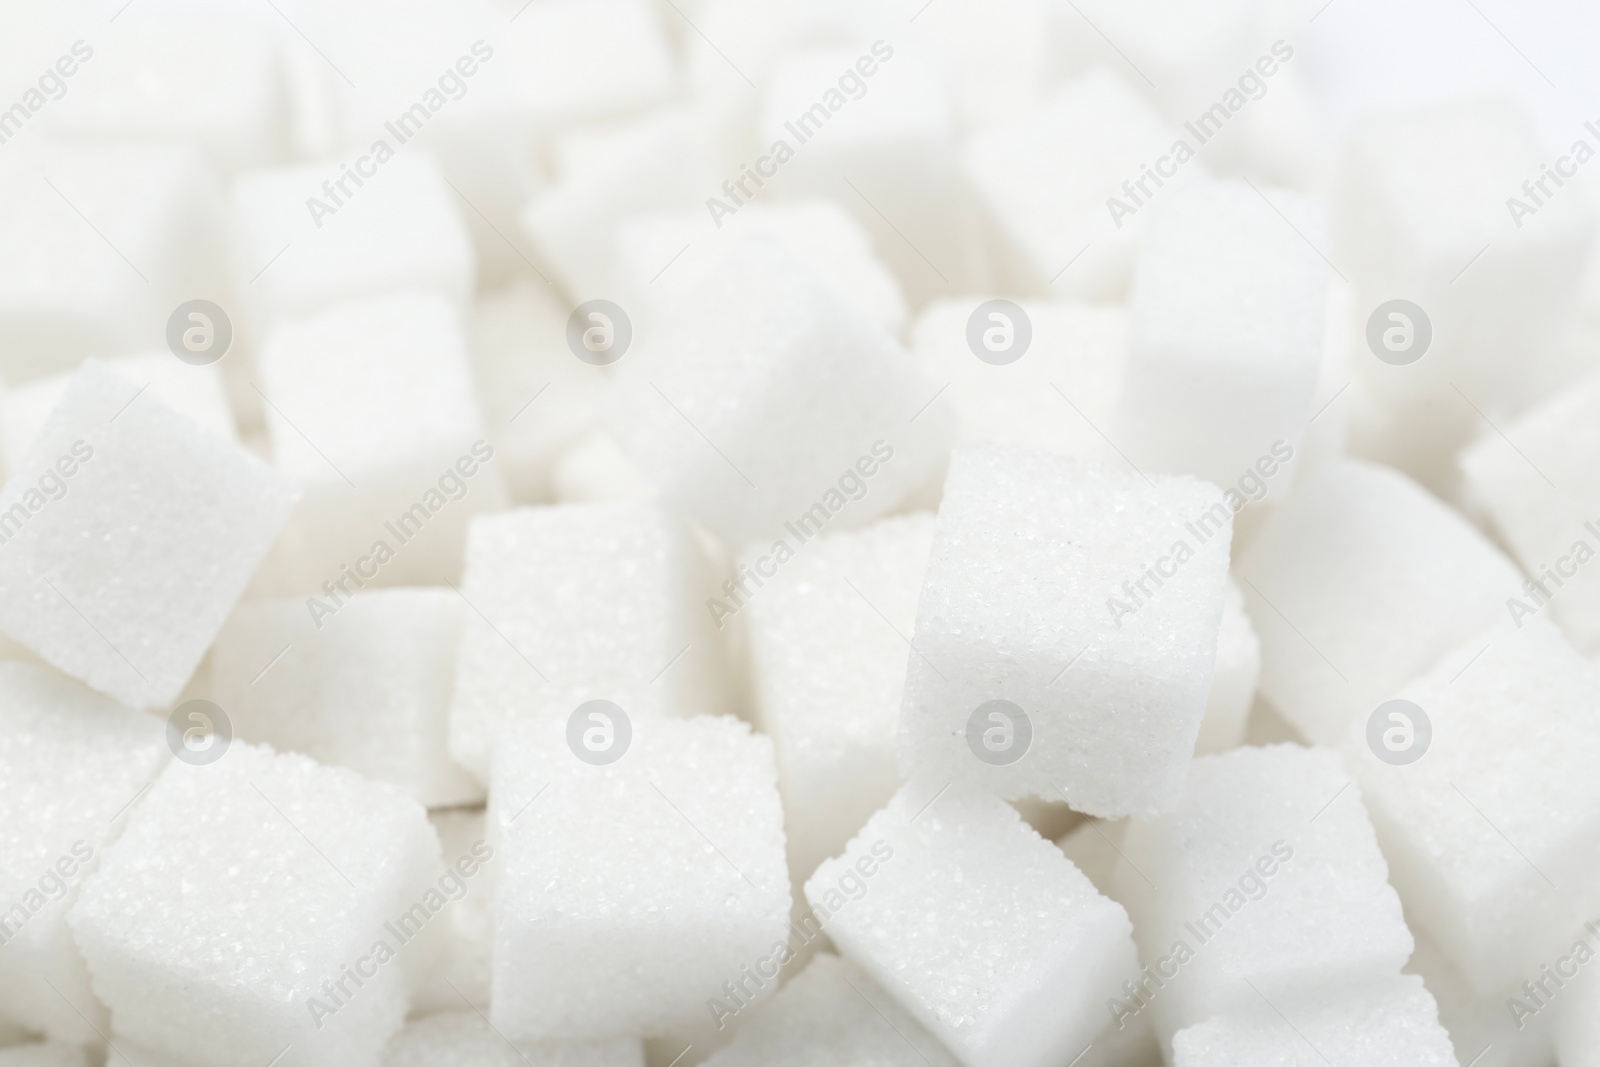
column 1086, row 597
column 44, row 1054
column 1008, row 972
column 827, row 628
column 462, row 1039
column 1268, row 875
column 768, row 403
column 259, row 901
column 1551, row 526
column 98, row 244
column 1226, row 330
column 308, row 236
column 831, row 1013
column 368, row 688
column 661, row 257
column 1058, row 185
column 1233, row 679
column 73, row 761
column 657, row 877
column 1390, row 1024
column 580, row 602
column 129, row 532
column 372, row 411
column 1501, row 809
column 1356, row 584
column 462, row 972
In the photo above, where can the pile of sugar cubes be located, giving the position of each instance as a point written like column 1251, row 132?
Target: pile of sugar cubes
column 820, row 533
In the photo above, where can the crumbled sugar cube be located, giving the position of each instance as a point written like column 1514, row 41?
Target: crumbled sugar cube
column 372, row 412
column 1053, row 398
column 831, row 1013
column 368, row 688
column 1494, row 1028
column 658, row 877
column 1225, row 330
column 462, row 1039
column 195, row 392
column 1389, row 1024
column 129, row 532
column 1009, row 972
column 1357, row 583
column 1494, row 833
column 72, row 761
column 44, row 1054
column 828, row 670
column 98, row 243
column 260, row 901
column 1551, row 526
column 537, row 399
column 1044, row 179
column 307, row 237
column 1422, row 192
column 594, row 468
column 768, row 405
column 1233, row 679
column 1087, row 597
column 1267, row 875
column 580, row 602
column 660, row 257
column 463, row 969
column 582, row 61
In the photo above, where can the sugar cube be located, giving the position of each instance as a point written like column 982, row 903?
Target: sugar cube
column 827, row 635
column 580, row 602
column 769, row 404
column 73, row 761
column 1066, row 632
column 1009, row 971
column 1357, row 583
column 1233, row 679
column 463, row 1039
column 372, row 412
column 257, row 902
column 658, row 876
column 129, row 533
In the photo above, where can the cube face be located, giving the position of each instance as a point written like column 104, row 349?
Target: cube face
column 657, row 876
column 831, row 1012
column 368, row 688
column 1037, row 948
column 1245, row 894
column 828, row 673
column 72, row 760
column 1358, row 583
column 372, row 411
column 399, row 231
column 1501, row 807
column 224, row 918
column 579, row 602
column 125, row 577
column 1226, row 331
column 1033, row 596
column 766, row 403
column 461, row 1038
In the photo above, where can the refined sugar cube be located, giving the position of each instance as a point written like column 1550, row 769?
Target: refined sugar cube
column 1225, row 330
column 129, row 532
column 580, row 602
column 312, row 235
column 1009, row 971
column 73, row 761
column 258, row 902
column 1493, row 831
column 463, row 968
column 368, row 688
column 1356, row 584
column 769, row 405
column 831, row 1013
column 1086, row 597
column 1233, row 679
column 1268, row 875
column 827, row 636
column 372, row 412
column 463, row 1039
column 658, row 877
column 1391, row 1024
